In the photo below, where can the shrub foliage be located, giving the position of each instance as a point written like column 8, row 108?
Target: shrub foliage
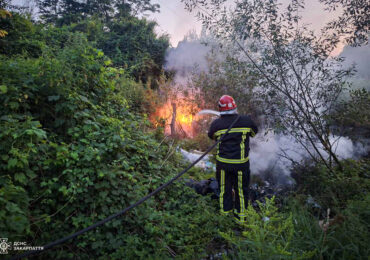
column 74, row 150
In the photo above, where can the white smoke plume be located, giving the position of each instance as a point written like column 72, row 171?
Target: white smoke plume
column 269, row 153
column 189, row 56
column 360, row 57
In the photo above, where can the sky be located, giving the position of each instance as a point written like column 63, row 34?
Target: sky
column 174, row 20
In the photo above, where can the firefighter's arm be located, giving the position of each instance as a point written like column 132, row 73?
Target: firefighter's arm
column 211, row 131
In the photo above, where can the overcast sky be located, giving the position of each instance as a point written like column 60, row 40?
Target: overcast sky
column 177, row 22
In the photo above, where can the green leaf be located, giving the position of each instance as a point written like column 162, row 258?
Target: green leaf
column 74, row 155
column 64, row 190
column 101, row 174
column 84, row 99
column 20, row 177
column 100, row 54
column 18, row 223
column 14, row 105
column 40, row 133
column 31, row 174
column 3, row 89
column 12, row 163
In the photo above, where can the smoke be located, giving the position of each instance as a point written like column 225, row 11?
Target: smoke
column 190, row 55
column 266, row 151
column 345, row 148
column 274, row 154
column 270, row 153
column 194, row 155
column 186, row 55
column 360, row 57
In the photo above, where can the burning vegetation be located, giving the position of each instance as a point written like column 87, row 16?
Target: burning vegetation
column 177, row 116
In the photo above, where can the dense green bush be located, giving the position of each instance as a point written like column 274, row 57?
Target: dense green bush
column 74, row 150
column 268, row 234
column 301, row 228
column 333, row 190
column 294, row 232
column 355, row 111
column 22, row 36
column 348, row 236
column 132, row 43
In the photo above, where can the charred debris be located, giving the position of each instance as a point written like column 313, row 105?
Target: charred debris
column 259, row 189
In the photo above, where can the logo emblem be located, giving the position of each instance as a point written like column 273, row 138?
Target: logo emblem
column 4, row 245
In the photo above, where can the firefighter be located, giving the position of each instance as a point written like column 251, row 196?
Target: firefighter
column 232, row 169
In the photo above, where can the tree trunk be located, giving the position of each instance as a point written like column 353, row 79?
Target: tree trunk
column 173, row 121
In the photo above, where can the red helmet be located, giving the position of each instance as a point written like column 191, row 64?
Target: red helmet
column 226, row 103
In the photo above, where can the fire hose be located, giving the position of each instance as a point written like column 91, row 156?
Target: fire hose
column 101, row 222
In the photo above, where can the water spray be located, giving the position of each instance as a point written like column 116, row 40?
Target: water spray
column 208, row 111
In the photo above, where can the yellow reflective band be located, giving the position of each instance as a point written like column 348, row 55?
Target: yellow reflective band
column 242, row 147
column 234, row 130
column 244, row 131
column 222, row 186
column 240, row 188
column 226, row 212
column 218, row 146
column 241, row 221
column 220, row 159
column 252, row 133
column 240, row 214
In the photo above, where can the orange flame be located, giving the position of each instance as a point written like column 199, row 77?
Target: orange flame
column 185, row 111
column 185, row 119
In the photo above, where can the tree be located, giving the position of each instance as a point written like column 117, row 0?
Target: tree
column 3, row 15
column 299, row 82
column 129, row 41
column 225, row 75
column 65, row 12
column 4, row 4
column 20, row 37
column 133, row 44
column 354, row 23
column 49, row 10
column 134, row 7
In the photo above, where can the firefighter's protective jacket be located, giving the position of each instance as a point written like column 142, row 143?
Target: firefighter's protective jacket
column 233, row 150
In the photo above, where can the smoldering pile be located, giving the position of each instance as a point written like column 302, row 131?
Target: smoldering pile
column 204, row 187
column 257, row 192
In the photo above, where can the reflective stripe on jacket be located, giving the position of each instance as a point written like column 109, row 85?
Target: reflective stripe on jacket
column 234, row 149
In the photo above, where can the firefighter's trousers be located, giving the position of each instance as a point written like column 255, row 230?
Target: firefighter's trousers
column 238, row 181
